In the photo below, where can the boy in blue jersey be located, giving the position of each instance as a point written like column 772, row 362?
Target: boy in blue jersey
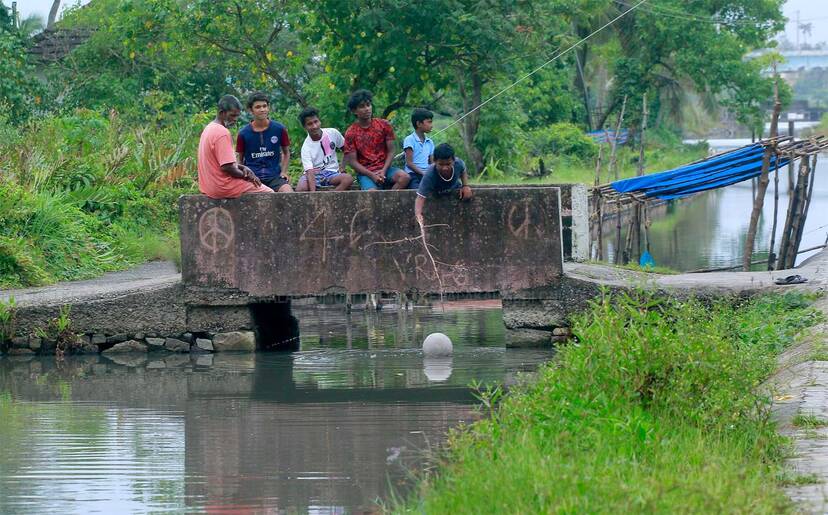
column 447, row 175
column 418, row 147
column 263, row 145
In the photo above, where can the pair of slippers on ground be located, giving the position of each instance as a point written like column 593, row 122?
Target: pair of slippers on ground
column 791, row 279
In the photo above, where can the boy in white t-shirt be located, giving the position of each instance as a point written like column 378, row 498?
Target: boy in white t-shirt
column 322, row 168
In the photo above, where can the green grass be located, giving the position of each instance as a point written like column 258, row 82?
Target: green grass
column 83, row 194
column 799, row 479
column 808, row 421
column 656, row 409
column 663, row 270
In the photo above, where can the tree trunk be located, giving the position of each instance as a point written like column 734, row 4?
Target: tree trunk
column 786, row 229
column 580, row 79
column 471, row 123
column 759, row 202
column 800, row 227
column 599, row 211
column 53, row 14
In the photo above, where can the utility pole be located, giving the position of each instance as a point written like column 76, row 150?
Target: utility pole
column 15, row 20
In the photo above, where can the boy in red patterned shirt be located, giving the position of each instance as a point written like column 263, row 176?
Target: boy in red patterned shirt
column 369, row 147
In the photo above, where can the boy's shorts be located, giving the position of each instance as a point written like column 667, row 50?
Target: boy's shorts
column 322, row 178
column 275, row 183
column 367, row 183
column 414, row 180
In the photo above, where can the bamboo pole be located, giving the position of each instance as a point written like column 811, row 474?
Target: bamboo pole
column 786, row 229
column 771, row 257
column 763, row 182
column 641, row 164
column 632, row 247
column 799, row 202
column 614, row 168
column 800, row 228
column 597, row 201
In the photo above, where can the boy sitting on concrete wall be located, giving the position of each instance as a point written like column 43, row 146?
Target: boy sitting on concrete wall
column 319, row 161
column 369, row 146
column 418, row 147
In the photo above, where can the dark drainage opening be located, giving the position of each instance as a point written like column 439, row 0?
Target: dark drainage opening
column 276, row 327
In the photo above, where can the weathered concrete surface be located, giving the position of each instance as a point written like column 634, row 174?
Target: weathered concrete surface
column 574, row 217
column 547, row 308
column 146, row 297
column 579, row 222
column 358, row 242
column 800, row 386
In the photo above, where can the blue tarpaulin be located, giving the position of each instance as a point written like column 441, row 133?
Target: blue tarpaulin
column 715, row 172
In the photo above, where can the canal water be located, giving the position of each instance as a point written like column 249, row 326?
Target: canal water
column 708, row 230
column 333, row 428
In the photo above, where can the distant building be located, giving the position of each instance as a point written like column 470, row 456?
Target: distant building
column 54, row 44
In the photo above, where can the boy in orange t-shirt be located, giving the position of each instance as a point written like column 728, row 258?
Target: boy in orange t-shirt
column 218, row 174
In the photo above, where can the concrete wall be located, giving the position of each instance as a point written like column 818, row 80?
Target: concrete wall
column 574, row 217
column 505, row 239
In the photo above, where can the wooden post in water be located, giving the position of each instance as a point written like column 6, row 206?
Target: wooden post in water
column 800, row 201
column 786, row 229
column 791, row 166
column 614, row 168
column 799, row 229
column 634, row 241
column 771, row 256
column 598, row 210
column 759, row 202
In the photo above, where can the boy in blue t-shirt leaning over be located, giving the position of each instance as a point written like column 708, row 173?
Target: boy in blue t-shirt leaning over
column 263, row 145
column 418, row 147
column 447, row 175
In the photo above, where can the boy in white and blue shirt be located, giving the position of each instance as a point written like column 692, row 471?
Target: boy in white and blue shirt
column 418, row 147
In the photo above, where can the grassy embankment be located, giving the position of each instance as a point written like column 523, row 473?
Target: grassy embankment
column 659, row 408
column 84, row 194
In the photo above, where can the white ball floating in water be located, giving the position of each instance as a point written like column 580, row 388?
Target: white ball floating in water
column 437, row 344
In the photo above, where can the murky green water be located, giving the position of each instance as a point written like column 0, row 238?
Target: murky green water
column 329, row 429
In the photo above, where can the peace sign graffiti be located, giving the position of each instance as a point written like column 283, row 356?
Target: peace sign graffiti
column 215, row 229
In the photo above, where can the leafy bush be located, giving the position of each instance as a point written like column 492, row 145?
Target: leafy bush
column 562, row 139
column 19, row 90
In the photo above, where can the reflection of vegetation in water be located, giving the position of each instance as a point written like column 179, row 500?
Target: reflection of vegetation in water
column 385, row 370
column 384, row 332
column 399, row 330
column 33, row 436
column 60, row 386
column 21, row 427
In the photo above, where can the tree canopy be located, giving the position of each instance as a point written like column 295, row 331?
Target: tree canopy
column 159, row 58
